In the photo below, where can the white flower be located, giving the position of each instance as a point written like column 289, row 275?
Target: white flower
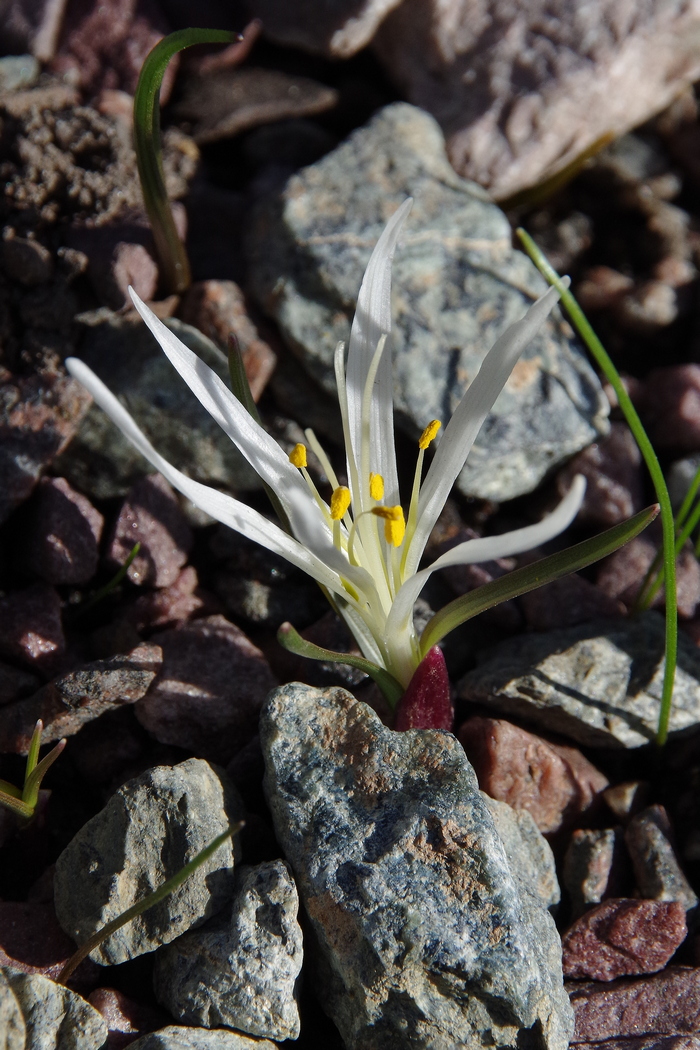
column 363, row 544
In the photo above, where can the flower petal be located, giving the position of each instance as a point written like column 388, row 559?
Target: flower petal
column 486, row 548
column 372, row 320
column 462, row 429
column 224, row 508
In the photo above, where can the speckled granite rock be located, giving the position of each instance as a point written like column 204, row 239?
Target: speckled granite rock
column 12, row 1027
column 241, row 969
column 457, row 285
column 598, row 683
column 424, row 937
column 54, row 1016
column 529, row 854
column 100, row 460
column 175, row 1037
column 149, row 829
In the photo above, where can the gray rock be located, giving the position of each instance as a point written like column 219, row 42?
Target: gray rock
column 424, row 937
column 12, row 1027
column 529, row 854
column 18, row 71
column 457, row 285
column 122, row 352
column 656, row 869
column 55, row 1018
column 176, row 1038
column 598, row 683
column 241, row 969
column 592, row 865
column 523, row 88
column 150, row 828
column 679, row 478
column 339, row 28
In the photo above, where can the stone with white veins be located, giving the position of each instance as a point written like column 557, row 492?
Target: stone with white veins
column 599, row 683
column 423, row 935
column 55, row 1018
column 150, row 828
column 529, row 854
column 241, row 969
column 457, row 285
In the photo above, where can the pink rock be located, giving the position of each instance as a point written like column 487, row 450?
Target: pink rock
column 64, row 534
column 621, row 937
column 126, row 1019
column 31, row 631
column 82, row 695
column 32, row 941
column 670, row 407
column 208, row 695
column 613, row 471
column 667, row 1003
column 553, row 782
column 645, row 1042
column 38, row 417
column 120, row 254
column 172, row 604
column 620, row 576
column 566, row 602
column 218, row 309
column 522, row 89
column 151, row 515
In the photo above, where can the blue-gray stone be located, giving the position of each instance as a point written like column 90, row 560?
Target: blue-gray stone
column 458, row 283
column 424, row 937
column 529, row 854
column 175, row 1037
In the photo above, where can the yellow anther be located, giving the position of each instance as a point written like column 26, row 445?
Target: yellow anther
column 394, row 524
column 429, row 433
column 340, row 501
column 376, row 486
column 297, row 457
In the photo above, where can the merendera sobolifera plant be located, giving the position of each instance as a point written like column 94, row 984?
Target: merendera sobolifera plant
column 23, row 801
column 360, row 545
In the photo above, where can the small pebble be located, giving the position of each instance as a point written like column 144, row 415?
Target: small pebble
column 151, row 515
column 656, row 869
column 593, row 867
column 31, row 631
column 63, row 539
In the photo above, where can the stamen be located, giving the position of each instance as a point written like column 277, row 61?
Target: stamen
column 376, row 486
column 429, row 433
column 297, row 457
column 394, row 523
column 340, row 502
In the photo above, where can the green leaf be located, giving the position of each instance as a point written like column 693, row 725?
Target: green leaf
column 602, row 359
column 175, row 267
column 21, row 809
column 291, row 640
column 30, row 794
column 33, row 753
column 531, row 576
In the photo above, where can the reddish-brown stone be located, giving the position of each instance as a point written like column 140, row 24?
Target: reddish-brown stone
column 64, row 534
column 30, row 627
column 32, row 941
column 620, row 576
column 555, row 783
column 670, row 407
column 667, row 1003
column 567, row 602
column 126, row 1019
column 172, row 604
column 622, row 937
column 151, row 515
column 613, row 472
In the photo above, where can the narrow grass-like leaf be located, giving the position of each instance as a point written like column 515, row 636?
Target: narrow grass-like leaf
column 111, row 584
column 21, row 809
column 520, row 581
column 602, row 359
column 152, row 899
column 174, row 265
column 30, row 793
column 290, row 639
column 33, row 753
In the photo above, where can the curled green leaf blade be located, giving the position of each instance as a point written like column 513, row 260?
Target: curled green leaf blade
column 531, row 576
column 291, row 640
column 16, row 805
column 30, row 794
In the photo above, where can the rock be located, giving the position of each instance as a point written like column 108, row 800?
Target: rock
column 242, row 968
column 457, row 285
column 32, row 941
column 218, row 309
column 16, row 684
column 339, row 29
column 620, row 576
column 30, row 627
column 25, row 260
column 621, row 937
column 599, row 683
column 208, row 695
column 18, row 71
column 149, row 829
column 613, row 472
column 12, row 1027
column 53, row 1015
column 151, row 516
column 62, row 544
column 566, row 602
column 528, row 852
column 69, row 702
column 645, row 1042
column 101, row 461
column 656, row 869
column 523, row 91
column 176, row 1038
column 172, row 604
column 414, row 908
column 38, row 417
column 552, row 782
column 667, row 1003
column 679, row 478
column 593, row 867
column 670, row 407
column 125, row 1018
column 627, row 798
